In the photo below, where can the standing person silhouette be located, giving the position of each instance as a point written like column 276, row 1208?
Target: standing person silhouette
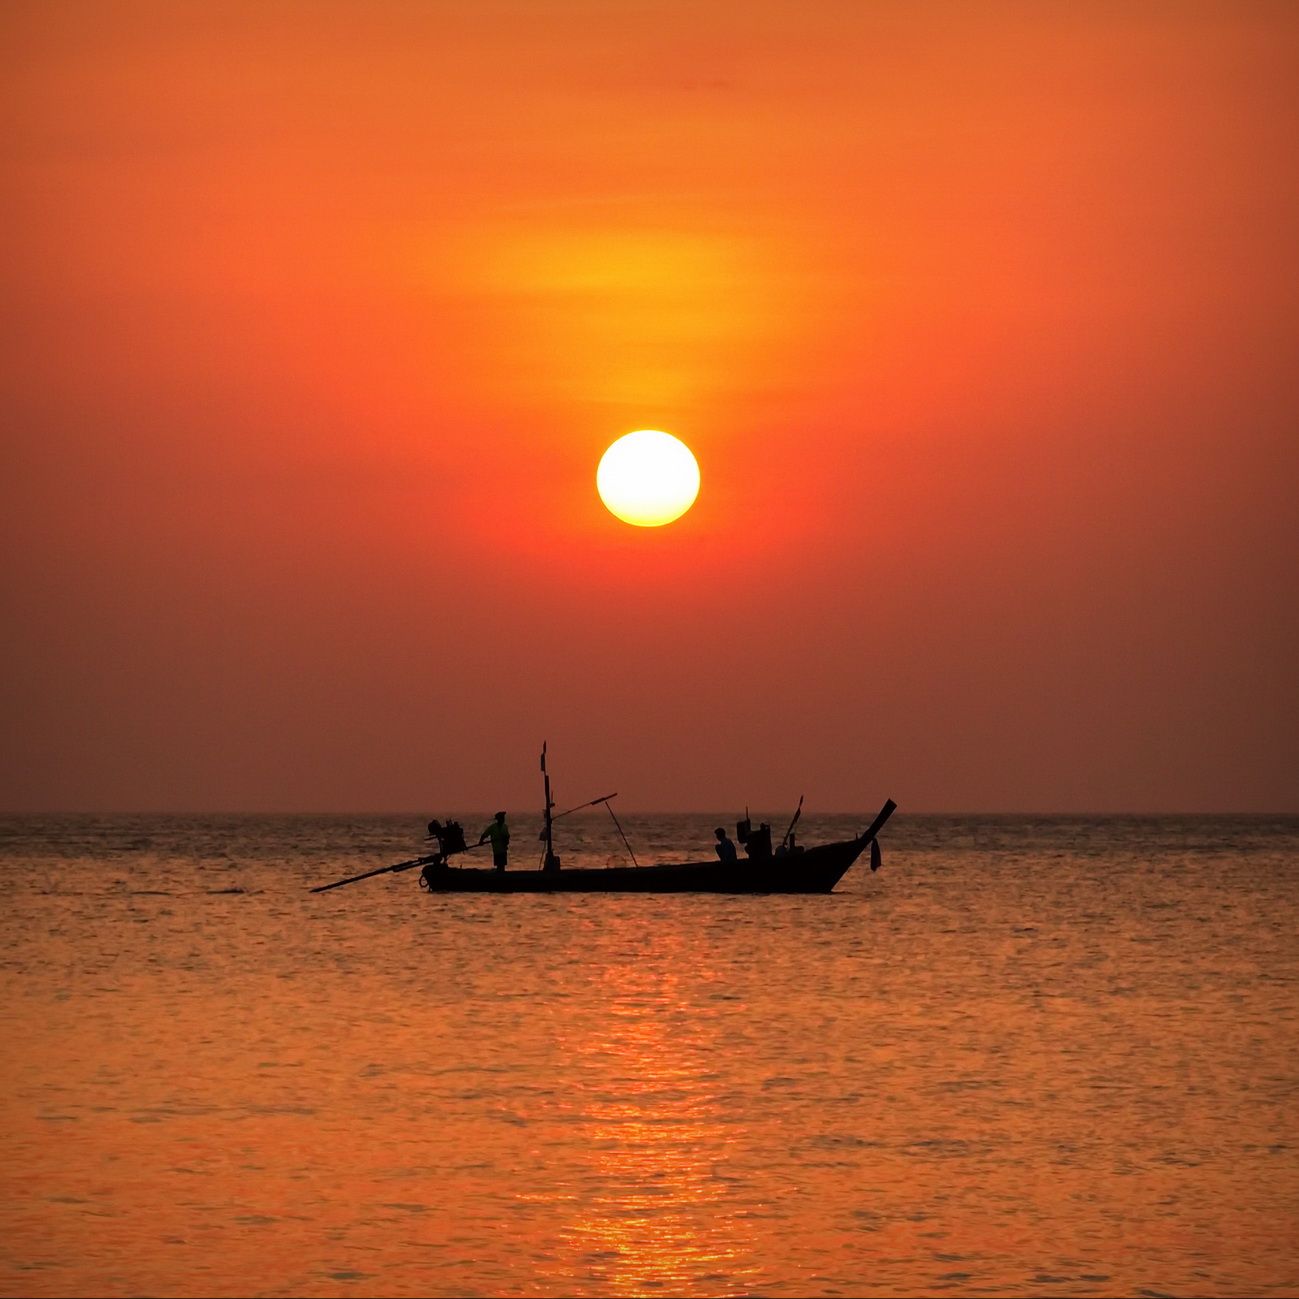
column 499, row 833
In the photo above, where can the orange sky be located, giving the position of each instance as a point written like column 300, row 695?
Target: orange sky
column 979, row 318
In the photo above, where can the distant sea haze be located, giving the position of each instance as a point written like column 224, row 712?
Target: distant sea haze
column 1030, row 1055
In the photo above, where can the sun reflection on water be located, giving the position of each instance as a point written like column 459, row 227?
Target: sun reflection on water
column 655, row 1210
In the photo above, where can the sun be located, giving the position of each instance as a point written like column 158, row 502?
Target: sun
column 648, row 478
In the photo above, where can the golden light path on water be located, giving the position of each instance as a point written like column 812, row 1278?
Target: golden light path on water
column 651, row 1118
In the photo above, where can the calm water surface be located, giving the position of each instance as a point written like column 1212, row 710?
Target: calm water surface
column 1030, row 1056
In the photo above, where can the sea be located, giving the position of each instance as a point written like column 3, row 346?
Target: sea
column 1030, row 1056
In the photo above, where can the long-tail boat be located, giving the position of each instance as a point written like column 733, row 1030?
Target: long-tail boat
column 800, row 870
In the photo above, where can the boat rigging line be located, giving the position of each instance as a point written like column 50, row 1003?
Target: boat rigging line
column 547, row 833
column 618, row 823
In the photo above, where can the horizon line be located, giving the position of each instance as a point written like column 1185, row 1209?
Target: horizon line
column 711, row 812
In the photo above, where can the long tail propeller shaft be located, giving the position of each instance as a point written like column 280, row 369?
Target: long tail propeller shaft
column 386, row 870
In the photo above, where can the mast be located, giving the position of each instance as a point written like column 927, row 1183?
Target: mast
column 549, row 861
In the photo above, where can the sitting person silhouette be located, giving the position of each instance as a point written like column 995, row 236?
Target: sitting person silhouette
column 725, row 848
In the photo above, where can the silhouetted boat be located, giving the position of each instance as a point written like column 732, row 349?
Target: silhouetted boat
column 814, row 870
column 798, row 870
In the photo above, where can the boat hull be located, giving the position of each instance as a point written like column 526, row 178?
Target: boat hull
column 817, row 870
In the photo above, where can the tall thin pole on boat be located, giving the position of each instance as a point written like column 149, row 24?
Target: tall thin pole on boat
column 549, row 862
column 784, row 843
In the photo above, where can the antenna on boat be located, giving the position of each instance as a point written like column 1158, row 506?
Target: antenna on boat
column 799, row 812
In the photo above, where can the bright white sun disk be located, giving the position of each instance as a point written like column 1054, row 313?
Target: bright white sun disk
column 648, row 478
